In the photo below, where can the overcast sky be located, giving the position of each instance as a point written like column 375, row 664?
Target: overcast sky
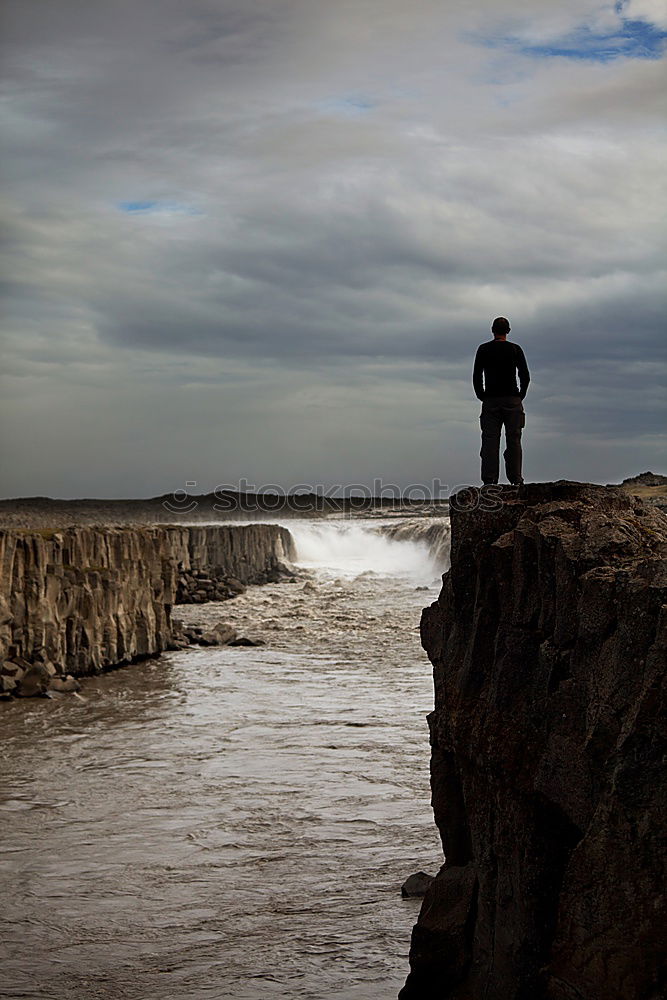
column 262, row 239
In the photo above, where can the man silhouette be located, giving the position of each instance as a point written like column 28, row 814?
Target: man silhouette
column 494, row 380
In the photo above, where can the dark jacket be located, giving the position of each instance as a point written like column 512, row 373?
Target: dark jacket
column 496, row 365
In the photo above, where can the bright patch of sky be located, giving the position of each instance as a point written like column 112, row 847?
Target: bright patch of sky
column 137, row 206
column 155, row 208
column 350, row 104
column 636, row 30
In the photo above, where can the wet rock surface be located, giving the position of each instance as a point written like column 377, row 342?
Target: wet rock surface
column 548, row 642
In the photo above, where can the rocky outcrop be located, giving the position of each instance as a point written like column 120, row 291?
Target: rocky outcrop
column 200, row 586
column 645, row 479
column 548, row 644
column 222, row 634
column 651, row 487
column 85, row 599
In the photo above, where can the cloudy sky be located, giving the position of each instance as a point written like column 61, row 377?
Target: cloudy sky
column 261, row 239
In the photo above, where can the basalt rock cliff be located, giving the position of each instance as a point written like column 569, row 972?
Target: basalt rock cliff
column 548, row 644
column 84, row 599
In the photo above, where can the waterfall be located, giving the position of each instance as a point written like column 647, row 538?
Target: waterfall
column 413, row 548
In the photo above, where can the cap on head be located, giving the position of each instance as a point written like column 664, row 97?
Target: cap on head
column 500, row 327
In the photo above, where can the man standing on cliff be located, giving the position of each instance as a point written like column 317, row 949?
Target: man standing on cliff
column 494, row 380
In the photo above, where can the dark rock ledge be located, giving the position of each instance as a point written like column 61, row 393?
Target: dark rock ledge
column 548, row 645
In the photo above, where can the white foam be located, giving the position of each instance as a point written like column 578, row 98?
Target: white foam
column 350, row 548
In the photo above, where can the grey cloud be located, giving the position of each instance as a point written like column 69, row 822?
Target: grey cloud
column 354, row 260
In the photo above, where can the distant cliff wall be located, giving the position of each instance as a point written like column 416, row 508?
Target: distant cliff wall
column 548, row 642
column 88, row 598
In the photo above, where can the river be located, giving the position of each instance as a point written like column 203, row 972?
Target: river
column 233, row 822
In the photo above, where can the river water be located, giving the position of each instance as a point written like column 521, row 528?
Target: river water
column 233, row 822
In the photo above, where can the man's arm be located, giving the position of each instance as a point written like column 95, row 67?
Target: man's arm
column 522, row 368
column 477, row 376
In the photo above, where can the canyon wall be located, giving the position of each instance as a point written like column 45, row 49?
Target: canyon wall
column 87, row 598
column 548, row 644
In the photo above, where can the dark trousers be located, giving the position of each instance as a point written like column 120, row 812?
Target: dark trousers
column 498, row 412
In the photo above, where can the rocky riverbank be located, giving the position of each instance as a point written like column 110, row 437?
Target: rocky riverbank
column 548, row 643
column 85, row 599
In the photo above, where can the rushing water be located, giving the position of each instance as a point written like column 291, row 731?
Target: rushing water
column 232, row 822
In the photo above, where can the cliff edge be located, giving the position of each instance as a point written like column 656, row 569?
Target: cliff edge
column 87, row 598
column 548, row 645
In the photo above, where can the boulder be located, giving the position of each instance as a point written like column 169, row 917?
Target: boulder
column 416, row 885
column 35, row 682
column 65, row 685
column 7, row 684
column 11, row 669
column 219, row 635
column 176, row 645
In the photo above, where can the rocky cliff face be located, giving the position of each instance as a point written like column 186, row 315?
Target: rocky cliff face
column 548, row 643
column 88, row 598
